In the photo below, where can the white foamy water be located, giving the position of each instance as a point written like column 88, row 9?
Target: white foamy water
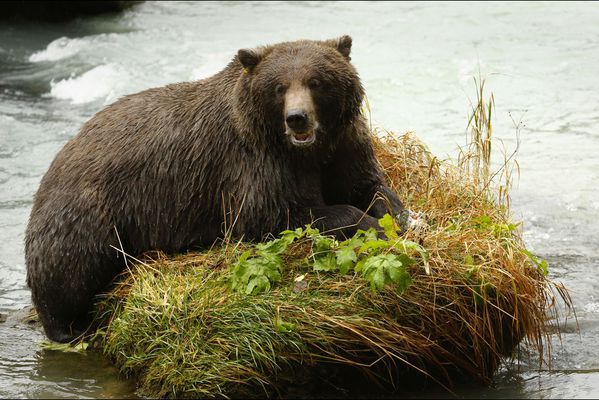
column 58, row 49
column 210, row 65
column 592, row 307
column 104, row 82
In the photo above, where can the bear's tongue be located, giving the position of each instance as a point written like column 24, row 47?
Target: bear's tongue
column 302, row 137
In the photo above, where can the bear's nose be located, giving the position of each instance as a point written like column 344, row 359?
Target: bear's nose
column 297, row 120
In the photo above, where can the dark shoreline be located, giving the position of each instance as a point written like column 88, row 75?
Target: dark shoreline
column 59, row 11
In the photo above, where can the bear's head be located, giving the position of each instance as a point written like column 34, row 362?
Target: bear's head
column 301, row 94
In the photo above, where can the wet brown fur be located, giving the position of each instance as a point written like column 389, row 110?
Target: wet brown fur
column 170, row 168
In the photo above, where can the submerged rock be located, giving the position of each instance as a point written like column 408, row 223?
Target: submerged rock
column 26, row 316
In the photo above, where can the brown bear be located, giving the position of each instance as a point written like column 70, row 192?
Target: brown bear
column 275, row 140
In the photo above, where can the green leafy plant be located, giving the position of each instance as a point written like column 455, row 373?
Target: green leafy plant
column 283, row 326
column 383, row 269
column 379, row 261
column 79, row 347
column 323, row 256
column 484, row 222
column 540, row 263
column 256, row 269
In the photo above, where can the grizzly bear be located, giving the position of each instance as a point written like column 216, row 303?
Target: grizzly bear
column 275, row 140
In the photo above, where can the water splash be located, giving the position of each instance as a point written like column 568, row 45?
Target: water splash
column 59, row 49
column 103, row 82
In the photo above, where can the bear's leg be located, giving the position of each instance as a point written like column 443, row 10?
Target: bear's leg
column 386, row 201
column 383, row 200
column 63, row 291
column 340, row 220
column 62, row 311
column 58, row 326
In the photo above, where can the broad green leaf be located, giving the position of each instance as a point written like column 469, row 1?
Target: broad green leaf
column 406, row 260
column 65, row 347
column 376, row 269
column 377, row 278
column 544, row 268
column 244, row 256
column 369, row 235
column 482, row 222
column 374, row 245
column 541, row 264
column 323, row 243
column 406, row 245
column 297, row 233
column 468, row 260
column 346, row 257
column 252, row 275
column 389, row 227
column 501, row 230
column 395, row 271
column 272, row 260
column 277, row 246
column 360, row 265
column 311, row 232
column 324, row 259
column 325, row 262
column 404, row 281
column 282, row 326
column 258, row 284
column 353, row 242
column 290, row 236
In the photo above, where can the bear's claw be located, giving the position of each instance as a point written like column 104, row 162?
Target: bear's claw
column 412, row 220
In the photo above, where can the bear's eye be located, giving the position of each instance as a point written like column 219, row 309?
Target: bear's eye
column 280, row 89
column 314, row 83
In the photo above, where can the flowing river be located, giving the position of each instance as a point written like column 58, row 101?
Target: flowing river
column 417, row 62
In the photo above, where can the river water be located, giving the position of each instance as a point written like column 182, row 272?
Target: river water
column 417, row 62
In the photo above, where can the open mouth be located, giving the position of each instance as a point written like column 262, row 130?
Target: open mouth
column 303, row 138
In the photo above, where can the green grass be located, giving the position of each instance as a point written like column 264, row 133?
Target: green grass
column 246, row 320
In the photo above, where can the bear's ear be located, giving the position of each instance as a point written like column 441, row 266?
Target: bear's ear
column 248, row 58
column 342, row 44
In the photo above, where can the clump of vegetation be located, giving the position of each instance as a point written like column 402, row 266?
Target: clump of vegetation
column 243, row 319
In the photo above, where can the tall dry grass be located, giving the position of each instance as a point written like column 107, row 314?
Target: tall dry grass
column 176, row 324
